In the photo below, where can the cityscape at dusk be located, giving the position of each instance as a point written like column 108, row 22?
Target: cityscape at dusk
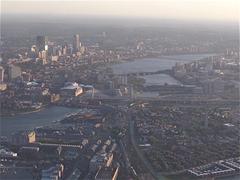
column 119, row 90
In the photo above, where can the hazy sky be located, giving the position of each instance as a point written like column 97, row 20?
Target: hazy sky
column 223, row 10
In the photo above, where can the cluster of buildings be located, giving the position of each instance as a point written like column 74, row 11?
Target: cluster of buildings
column 103, row 158
column 73, row 148
column 49, row 72
column 175, row 138
column 176, row 48
column 45, row 51
column 216, row 75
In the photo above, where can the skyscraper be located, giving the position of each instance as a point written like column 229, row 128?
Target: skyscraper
column 1, row 74
column 76, row 43
column 42, row 43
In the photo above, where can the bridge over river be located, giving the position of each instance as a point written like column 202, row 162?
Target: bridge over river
column 167, row 71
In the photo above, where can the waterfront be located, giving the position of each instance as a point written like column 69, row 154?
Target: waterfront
column 31, row 120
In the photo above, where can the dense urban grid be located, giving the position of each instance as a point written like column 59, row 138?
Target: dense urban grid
column 189, row 129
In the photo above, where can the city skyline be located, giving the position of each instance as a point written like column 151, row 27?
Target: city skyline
column 119, row 90
column 208, row 10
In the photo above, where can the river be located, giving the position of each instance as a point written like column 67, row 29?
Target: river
column 155, row 64
column 29, row 121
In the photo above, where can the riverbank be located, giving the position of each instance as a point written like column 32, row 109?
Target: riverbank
column 14, row 113
column 29, row 121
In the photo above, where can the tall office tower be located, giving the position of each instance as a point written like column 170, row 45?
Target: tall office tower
column 76, row 43
column 64, row 49
column 42, row 43
column 1, row 74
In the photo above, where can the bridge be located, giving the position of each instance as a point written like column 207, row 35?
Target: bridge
column 168, row 71
column 62, row 145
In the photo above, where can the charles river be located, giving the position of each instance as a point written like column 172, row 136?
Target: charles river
column 48, row 115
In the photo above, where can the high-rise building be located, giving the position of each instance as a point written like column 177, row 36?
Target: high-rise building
column 76, row 43
column 43, row 56
column 64, row 49
column 42, row 43
column 1, row 74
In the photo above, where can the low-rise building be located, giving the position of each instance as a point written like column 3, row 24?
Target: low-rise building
column 71, row 89
column 23, row 137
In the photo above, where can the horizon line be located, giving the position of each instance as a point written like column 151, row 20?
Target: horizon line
column 122, row 17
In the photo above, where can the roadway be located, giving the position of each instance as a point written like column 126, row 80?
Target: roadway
column 63, row 145
column 128, row 167
column 145, row 162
